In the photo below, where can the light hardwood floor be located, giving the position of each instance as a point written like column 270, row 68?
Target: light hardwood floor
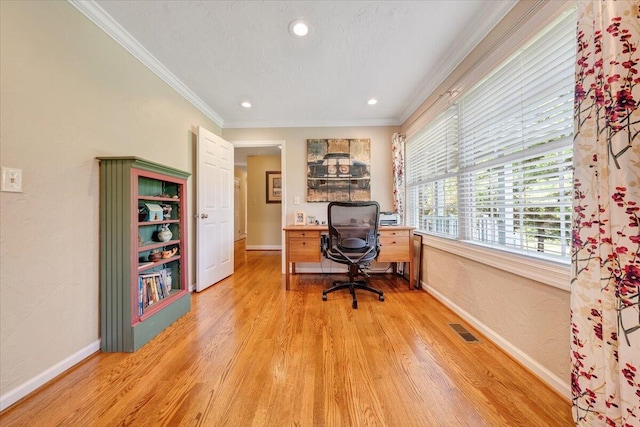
column 252, row 354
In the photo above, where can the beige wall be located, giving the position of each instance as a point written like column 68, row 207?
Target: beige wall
column 69, row 93
column 263, row 219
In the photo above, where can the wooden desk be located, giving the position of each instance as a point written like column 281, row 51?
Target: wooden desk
column 302, row 244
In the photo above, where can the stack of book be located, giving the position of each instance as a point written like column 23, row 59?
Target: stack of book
column 152, row 288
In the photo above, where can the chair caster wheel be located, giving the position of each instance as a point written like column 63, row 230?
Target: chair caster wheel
column 381, row 297
column 354, row 304
column 324, row 297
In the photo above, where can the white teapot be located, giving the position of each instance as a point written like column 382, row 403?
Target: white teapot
column 164, row 234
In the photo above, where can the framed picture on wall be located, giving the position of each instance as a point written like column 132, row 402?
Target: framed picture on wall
column 274, row 187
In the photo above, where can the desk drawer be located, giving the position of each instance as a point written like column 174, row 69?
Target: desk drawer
column 304, row 234
column 305, row 249
column 395, row 246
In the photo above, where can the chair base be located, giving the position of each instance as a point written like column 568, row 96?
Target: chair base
column 352, row 285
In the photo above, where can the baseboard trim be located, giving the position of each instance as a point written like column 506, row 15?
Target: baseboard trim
column 33, row 384
column 562, row 387
column 337, row 270
column 263, row 247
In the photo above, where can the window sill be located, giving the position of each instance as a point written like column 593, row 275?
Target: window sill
column 550, row 273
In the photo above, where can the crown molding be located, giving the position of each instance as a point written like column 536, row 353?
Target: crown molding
column 106, row 23
column 313, row 124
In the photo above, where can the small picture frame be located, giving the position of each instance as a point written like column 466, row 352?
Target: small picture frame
column 274, row 187
column 300, row 218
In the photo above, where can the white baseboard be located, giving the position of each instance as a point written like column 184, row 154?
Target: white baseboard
column 335, row 270
column 543, row 373
column 19, row 392
column 263, row 247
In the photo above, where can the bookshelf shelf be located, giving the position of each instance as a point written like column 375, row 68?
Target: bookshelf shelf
column 140, row 297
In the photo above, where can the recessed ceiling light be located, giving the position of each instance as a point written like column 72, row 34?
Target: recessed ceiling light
column 246, row 104
column 372, row 101
column 299, row 27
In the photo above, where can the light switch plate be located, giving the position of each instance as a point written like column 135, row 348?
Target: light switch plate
column 12, row 180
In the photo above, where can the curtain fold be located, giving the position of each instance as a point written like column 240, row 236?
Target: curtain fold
column 605, row 318
column 397, row 153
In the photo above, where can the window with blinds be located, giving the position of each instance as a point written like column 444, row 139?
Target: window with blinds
column 496, row 168
column 432, row 168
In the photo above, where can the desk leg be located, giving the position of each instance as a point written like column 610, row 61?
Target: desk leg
column 289, row 273
column 411, row 261
column 411, row 278
column 287, row 276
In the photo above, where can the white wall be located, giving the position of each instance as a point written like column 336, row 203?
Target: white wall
column 69, row 93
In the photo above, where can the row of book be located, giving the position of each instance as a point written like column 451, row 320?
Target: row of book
column 152, row 288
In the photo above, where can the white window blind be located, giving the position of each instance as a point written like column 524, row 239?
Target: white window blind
column 431, row 176
column 510, row 185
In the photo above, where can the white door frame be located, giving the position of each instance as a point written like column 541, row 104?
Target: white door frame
column 283, row 161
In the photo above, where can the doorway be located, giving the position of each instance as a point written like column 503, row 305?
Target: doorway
column 259, row 219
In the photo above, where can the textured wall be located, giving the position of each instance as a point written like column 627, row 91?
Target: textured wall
column 69, row 93
column 532, row 317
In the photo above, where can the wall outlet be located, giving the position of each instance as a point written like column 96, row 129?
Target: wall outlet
column 12, row 180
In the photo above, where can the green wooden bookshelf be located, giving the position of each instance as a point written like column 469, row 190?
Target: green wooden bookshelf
column 141, row 295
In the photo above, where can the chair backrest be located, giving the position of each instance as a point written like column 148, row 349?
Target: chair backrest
column 353, row 225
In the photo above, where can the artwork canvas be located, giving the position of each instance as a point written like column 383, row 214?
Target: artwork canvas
column 338, row 170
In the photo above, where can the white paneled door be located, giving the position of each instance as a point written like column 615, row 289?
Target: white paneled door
column 214, row 217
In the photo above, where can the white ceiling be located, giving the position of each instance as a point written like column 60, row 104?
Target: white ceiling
column 219, row 53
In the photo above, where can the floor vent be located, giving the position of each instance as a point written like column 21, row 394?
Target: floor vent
column 463, row 332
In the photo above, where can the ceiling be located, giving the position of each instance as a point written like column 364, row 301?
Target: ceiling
column 220, row 53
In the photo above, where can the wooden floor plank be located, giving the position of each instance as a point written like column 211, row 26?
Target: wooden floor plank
column 252, row 354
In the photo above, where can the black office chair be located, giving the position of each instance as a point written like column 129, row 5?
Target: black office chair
column 352, row 240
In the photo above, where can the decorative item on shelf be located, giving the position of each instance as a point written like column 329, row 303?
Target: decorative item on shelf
column 167, row 279
column 142, row 213
column 154, row 212
column 155, row 256
column 164, row 234
column 166, row 211
column 169, row 252
column 139, row 240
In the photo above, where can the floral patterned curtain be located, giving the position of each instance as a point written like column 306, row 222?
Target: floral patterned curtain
column 605, row 318
column 397, row 153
